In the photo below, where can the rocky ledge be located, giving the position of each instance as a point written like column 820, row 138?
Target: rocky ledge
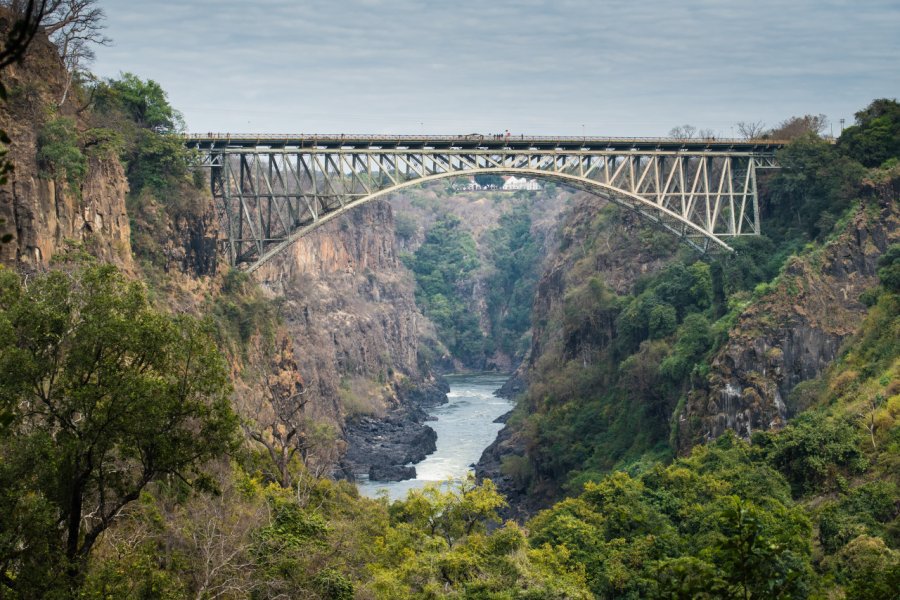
column 386, row 447
column 383, row 447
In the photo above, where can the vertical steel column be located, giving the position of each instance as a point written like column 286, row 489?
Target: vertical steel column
column 751, row 164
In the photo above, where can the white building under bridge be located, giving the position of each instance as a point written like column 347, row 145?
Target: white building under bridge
column 520, row 183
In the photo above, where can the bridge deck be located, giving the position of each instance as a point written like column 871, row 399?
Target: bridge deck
column 222, row 141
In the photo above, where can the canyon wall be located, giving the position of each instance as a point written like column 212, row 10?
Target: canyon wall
column 791, row 334
column 344, row 328
column 46, row 216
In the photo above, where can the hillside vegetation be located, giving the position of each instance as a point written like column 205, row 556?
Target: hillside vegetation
column 612, row 370
column 129, row 467
column 445, row 266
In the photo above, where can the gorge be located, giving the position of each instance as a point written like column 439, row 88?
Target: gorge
column 670, row 424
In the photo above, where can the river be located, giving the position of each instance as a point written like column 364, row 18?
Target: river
column 464, row 426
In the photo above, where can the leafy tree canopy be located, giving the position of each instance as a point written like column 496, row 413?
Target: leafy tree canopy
column 875, row 138
column 145, row 102
column 100, row 395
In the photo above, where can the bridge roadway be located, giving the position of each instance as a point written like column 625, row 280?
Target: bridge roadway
column 270, row 189
column 222, row 141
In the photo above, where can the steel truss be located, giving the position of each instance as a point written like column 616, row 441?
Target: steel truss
column 267, row 198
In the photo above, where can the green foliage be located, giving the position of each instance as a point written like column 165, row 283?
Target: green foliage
column 763, row 552
column 867, row 509
column 241, row 311
column 487, row 180
column 514, row 254
column 877, row 346
column 754, row 260
column 889, row 269
column 159, row 161
column 450, row 512
column 103, row 394
column 694, row 340
column 813, row 187
column 868, row 569
column 681, row 288
column 716, row 524
column 144, row 102
column 875, row 138
column 155, row 157
column 438, row 546
column 102, row 142
column 59, row 154
column 662, row 322
column 443, row 266
column 815, row 451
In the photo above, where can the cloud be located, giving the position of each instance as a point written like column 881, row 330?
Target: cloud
column 532, row 66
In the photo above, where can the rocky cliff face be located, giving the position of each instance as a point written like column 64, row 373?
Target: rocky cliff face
column 349, row 308
column 791, row 334
column 176, row 240
column 46, row 216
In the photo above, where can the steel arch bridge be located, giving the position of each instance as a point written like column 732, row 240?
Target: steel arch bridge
column 272, row 189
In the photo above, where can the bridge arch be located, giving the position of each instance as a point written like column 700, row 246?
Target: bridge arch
column 617, row 196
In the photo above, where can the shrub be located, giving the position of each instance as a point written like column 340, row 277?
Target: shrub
column 889, row 269
column 59, row 155
column 816, row 450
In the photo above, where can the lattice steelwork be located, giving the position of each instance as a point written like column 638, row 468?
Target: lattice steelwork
column 269, row 196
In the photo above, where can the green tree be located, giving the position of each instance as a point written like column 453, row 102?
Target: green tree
column 869, row 569
column 59, row 154
column 159, row 162
column 814, row 181
column 102, row 395
column 663, row 320
column 489, row 180
column 815, row 450
column 438, row 545
column 153, row 154
column 450, row 511
column 694, row 340
column 875, row 138
column 145, row 102
column 515, row 256
column 761, row 553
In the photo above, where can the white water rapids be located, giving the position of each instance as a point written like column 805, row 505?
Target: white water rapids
column 464, row 426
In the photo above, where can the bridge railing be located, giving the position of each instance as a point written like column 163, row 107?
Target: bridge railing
column 356, row 137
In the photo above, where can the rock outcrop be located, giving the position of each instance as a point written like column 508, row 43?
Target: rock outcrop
column 47, row 216
column 791, row 334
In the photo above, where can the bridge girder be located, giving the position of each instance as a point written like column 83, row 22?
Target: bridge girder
column 269, row 197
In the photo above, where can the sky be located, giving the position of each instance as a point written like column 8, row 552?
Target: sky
column 561, row 67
